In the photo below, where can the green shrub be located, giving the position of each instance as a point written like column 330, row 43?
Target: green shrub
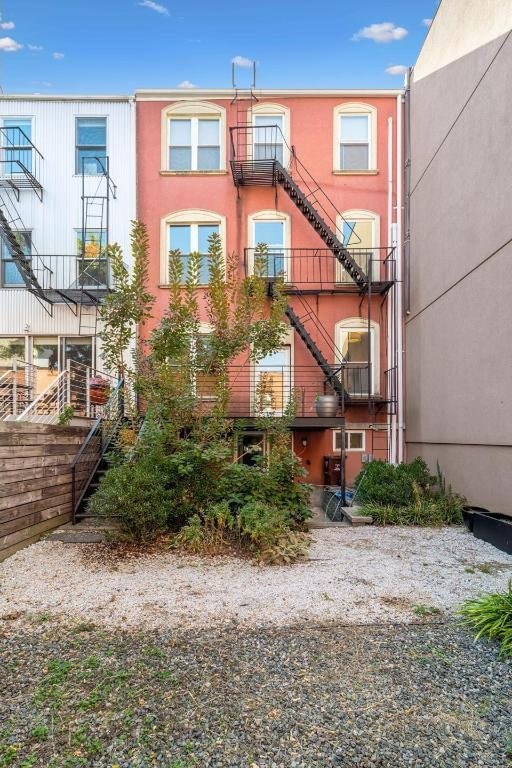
column 388, row 484
column 135, row 494
column 491, row 616
column 424, row 511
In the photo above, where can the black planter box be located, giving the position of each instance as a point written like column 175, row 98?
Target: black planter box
column 494, row 528
column 467, row 515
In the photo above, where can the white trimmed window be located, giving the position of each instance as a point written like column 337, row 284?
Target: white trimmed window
column 355, row 138
column 354, row 440
column 362, row 375
column 194, row 138
column 271, row 228
column 361, row 234
column 271, row 132
column 189, row 232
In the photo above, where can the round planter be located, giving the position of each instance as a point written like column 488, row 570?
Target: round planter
column 99, row 390
column 326, row 405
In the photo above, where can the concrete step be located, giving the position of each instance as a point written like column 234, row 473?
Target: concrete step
column 90, row 531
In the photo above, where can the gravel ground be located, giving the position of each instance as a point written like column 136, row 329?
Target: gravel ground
column 294, row 697
column 354, row 575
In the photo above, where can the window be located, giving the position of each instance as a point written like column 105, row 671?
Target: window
column 251, row 448
column 271, row 132
column 10, row 274
column 45, row 356
column 271, row 228
column 194, row 144
column 268, row 136
column 354, row 440
column 11, row 349
column 91, row 145
column 16, row 141
column 355, row 138
column 353, row 346
column 192, row 238
column 272, row 383
column 79, row 349
column 92, row 262
column 360, row 231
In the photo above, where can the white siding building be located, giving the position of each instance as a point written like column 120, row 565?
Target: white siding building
column 67, row 187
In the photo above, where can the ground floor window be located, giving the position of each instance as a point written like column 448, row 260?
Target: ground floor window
column 11, row 349
column 251, row 448
column 354, row 440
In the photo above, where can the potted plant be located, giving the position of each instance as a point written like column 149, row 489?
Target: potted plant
column 99, row 391
column 326, row 405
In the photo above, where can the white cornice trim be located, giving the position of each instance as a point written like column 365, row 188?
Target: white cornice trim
column 193, row 94
column 64, row 97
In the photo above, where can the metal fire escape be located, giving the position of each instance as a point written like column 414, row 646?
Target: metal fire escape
column 79, row 280
column 257, row 159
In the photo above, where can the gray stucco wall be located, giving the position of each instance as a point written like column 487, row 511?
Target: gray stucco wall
column 459, row 328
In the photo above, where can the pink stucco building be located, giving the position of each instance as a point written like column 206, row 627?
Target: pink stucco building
column 313, row 175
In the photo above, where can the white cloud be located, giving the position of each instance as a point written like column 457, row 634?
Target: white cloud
column 34, row 47
column 155, row 7
column 241, row 61
column 58, row 56
column 9, row 45
column 397, row 69
column 426, row 22
column 381, row 33
column 7, row 25
column 186, row 84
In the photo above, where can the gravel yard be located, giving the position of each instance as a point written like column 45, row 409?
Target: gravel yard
column 294, row 697
column 354, row 575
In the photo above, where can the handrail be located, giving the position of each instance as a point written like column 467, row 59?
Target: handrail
column 61, row 378
column 11, row 145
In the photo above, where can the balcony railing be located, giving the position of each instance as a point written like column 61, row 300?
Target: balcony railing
column 317, row 269
column 63, row 276
column 265, row 390
column 20, row 161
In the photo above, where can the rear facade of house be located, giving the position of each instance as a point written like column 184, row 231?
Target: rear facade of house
column 315, row 177
column 67, row 190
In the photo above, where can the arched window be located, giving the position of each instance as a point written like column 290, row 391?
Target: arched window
column 361, row 234
column 189, row 231
column 271, row 228
column 194, row 138
column 271, row 132
column 355, row 138
column 360, row 354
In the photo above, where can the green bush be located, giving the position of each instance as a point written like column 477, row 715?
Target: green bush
column 425, row 511
column 136, row 495
column 491, row 616
column 388, row 484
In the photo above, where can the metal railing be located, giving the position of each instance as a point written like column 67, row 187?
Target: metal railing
column 71, row 388
column 95, row 445
column 17, row 388
column 266, row 390
column 317, row 268
column 20, row 161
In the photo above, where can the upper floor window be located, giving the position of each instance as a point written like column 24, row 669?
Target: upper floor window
column 10, row 273
column 270, row 132
column 193, row 138
column 91, row 145
column 355, row 138
column 271, row 229
column 194, row 144
column 193, row 238
column 360, row 230
column 92, row 261
column 16, row 144
column 357, row 347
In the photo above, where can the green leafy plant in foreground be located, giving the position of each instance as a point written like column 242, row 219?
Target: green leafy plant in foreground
column 490, row 616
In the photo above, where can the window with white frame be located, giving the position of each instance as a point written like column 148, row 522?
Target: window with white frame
column 91, row 145
column 271, row 229
column 360, row 232
column 16, row 144
column 354, row 440
column 193, row 238
column 272, row 383
column 10, row 276
column 357, row 348
column 194, row 144
column 355, row 138
column 271, row 132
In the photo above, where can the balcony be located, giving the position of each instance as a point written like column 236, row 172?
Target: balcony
column 20, row 162
column 64, row 279
column 266, row 391
column 317, row 270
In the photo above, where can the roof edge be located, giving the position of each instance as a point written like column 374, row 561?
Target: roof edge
column 162, row 94
column 64, row 97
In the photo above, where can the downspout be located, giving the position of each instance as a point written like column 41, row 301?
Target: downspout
column 399, row 278
column 391, row 436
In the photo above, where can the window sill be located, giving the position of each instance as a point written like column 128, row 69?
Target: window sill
column 168, row 285
column 356, row 173
column 193, row 173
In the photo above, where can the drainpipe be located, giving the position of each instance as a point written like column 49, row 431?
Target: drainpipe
column 399, row 278
column 391, row 427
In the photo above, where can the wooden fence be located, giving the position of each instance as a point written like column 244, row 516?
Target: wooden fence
column 35, row 480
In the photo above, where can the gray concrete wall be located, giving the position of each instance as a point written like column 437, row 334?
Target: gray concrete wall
column 459, row 328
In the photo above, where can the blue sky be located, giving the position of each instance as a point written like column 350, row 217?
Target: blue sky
column 116, row 46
